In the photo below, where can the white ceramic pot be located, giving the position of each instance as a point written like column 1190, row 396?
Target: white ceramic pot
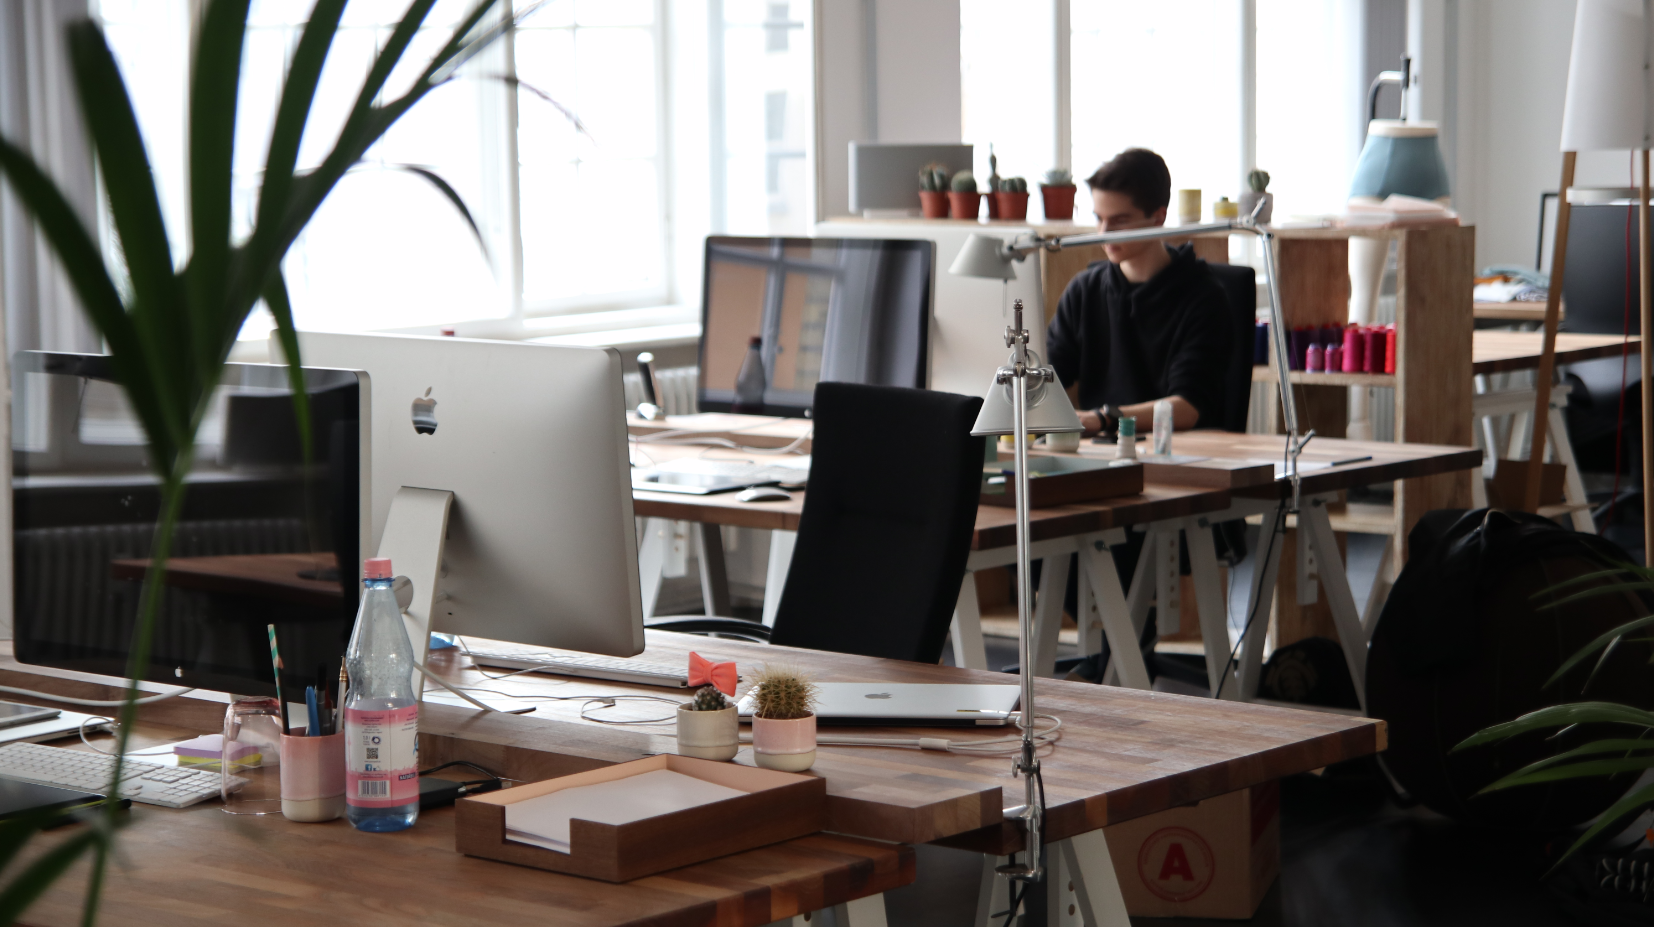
column 786, row 746
column 709, row 735
column 1249, row 200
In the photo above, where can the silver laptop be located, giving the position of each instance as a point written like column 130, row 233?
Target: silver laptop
column 915, row 703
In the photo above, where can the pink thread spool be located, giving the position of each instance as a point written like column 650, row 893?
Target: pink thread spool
column 1353, row 350
column 1314, row 359
column 1374, row 362
column 1335, row 358
column 1390, row 348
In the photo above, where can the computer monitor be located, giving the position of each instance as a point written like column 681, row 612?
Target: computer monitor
column 259, row 541
column 531, row 439
column 825, row 309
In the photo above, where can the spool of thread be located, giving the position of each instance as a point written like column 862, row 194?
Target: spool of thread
column 1390, row 348
column 1188, row 207
column 1128, row 438
column 1314, row 358
column 1351, row 355
column 1335, row 358
column 1260, row 343
column 1375, row 350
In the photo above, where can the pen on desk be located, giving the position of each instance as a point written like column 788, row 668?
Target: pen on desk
column 339, row 708
column 313, row 719
column 275, row 663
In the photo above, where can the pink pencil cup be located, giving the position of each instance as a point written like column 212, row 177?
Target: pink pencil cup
column 313, row 777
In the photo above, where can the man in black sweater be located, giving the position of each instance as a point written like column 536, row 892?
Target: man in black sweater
column 1150, row 323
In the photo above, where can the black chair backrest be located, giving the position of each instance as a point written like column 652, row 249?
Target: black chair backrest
column 885, row 532
column 1240, row 290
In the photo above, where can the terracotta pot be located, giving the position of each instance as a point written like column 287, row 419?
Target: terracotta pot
column 787, row 746
column 1059, row 202
column 992, row 196
column 1012, row 205
column 934, row 203
column 709, row 735
column 965, row 205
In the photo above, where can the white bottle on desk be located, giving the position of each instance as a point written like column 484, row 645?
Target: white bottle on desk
column 381, row 712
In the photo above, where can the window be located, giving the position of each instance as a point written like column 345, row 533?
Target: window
column 607, row 215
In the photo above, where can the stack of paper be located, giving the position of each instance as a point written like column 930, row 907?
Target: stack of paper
column 544, row 821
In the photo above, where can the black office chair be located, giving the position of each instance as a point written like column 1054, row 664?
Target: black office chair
column 1600, row 289
column 1240, row 290
column 886, row 530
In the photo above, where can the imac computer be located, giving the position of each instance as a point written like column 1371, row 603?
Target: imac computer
column 810, row 310
column 541, row 546
column 260, row 541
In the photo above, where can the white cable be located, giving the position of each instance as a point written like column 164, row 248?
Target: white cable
column 94, row 702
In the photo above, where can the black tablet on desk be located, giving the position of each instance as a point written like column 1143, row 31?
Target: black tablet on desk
column 18, row 798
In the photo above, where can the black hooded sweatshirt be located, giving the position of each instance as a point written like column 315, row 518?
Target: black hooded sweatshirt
column 1126, row 343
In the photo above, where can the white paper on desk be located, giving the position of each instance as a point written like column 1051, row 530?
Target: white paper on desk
column 544, row 821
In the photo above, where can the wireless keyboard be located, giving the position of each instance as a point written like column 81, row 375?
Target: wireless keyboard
column 742, row 470
column 585, row 665
column 150, row 783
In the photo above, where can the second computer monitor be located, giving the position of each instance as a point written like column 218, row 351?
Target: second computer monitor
column 531, row 439
column 821, row 309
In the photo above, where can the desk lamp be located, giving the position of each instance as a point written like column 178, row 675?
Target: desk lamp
column 1025, row 398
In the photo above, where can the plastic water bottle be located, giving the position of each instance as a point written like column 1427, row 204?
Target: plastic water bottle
column 1163, row 427
column 381, row 712
column 751, row 382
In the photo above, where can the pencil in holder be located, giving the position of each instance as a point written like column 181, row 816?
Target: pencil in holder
column 313, row 777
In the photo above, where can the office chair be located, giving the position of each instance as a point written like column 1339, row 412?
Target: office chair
column 1595, row 288
column 1240, row 291
column 895, row 478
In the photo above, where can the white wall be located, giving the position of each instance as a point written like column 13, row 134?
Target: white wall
column 886, row 71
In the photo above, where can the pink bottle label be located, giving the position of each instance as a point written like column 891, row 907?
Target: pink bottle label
column 382, row 757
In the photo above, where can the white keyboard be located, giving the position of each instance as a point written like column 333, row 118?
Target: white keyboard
column 150, row 783
column 589, row 666
column 742, row 470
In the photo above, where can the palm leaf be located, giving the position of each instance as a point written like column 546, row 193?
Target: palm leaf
column 1601, row 640
column 1636, row 800
column 29, row 884
column 450, row 194
column 1582, row 770
column 1590, row 579
column 1559, row 716
column 275, row 296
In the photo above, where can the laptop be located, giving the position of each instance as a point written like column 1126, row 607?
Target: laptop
column 701, row 476
column 921, row 704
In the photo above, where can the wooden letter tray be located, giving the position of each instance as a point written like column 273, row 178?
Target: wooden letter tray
column 779, row 806
column 1062, row 480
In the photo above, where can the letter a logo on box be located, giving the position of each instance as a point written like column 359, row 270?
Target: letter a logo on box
column 1176, row 864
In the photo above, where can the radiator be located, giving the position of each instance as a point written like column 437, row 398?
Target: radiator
column 676, row 389
column 65, row 592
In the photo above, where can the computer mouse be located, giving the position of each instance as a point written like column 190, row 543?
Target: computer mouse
column 763, row 494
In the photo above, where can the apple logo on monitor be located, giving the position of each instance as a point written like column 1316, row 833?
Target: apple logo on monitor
column 424, row 414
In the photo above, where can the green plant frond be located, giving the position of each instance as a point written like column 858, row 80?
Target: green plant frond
column 214, row 84
column 1601, row 640
column 389, row 57
column 1589, row 769
column 1594, row 748
column 515, row 82
column 275, row 296
column 1621, row 569
column 1559, row 716
column 22, row 890
column 452, row 196
column 298, row 95
column 463, row 46
column 1640, row 585
column 1636, row 800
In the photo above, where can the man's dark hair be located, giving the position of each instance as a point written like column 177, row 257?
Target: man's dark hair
column 1140, row 174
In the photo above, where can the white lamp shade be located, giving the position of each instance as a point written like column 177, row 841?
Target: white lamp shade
column 1049, row 411
column 1608, row 106
column 983, row 256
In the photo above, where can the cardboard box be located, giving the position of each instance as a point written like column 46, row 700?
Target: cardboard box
column 1214, row 859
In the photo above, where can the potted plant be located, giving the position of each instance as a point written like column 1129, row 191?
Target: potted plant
column 933, row 191
column 1011, row 198
column 966, row 202
column 709, row 727
column 993, row 184
column 783, row 719
column 1058, row 194
column 1259, row 182
column 169, row 321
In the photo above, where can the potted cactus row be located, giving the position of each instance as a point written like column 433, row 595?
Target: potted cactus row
column 1057, row 192
column 709, row 726
column 783, row 719
column 1011, row 198
column 933, row 191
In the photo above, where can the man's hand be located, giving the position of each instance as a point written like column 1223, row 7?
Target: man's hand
column 1091, row 422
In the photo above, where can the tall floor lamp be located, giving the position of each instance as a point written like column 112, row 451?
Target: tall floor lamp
column 1609, row 107
column 1025, row 398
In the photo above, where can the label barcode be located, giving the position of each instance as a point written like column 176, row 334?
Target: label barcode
column 373, row 788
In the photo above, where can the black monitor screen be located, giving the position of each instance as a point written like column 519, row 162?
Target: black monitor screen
column 259, row 541
column 839, row 309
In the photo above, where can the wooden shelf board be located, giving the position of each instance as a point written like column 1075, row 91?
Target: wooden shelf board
column 1264, row 374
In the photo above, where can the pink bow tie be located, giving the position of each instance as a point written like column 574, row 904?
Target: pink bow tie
column 705, row 672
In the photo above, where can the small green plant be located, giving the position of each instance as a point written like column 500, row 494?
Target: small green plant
column 708, row 698
column 993, row 170
column 1258, row 181
column 1059, row 177
column 964, row 182
column 934, row 178
column 782, row 693
column 1013, row 185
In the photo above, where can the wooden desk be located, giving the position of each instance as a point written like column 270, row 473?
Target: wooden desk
column 199, row 866
column 1502, row 351
column 751, row 430
column 1511, row 312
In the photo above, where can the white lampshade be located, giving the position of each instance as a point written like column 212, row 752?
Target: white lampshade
column 1609, row 106
column 1049, row 411
column 983, row 256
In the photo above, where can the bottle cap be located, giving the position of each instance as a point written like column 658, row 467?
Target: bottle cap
column 377, row 568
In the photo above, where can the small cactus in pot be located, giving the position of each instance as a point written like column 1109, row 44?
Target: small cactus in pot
column 1057, row 194
column 1259, row 193
column 964, row 199
column 708, row 726
column 1011, row 198
column 933, row 191
column 783, row 719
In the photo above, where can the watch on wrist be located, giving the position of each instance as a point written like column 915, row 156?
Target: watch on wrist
column 1109, row 419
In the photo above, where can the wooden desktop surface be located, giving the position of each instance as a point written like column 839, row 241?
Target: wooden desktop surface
column 1386, row 460
column 1512, row 312
column 1123, row 754
column 200, row 867
column 1502, row 351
